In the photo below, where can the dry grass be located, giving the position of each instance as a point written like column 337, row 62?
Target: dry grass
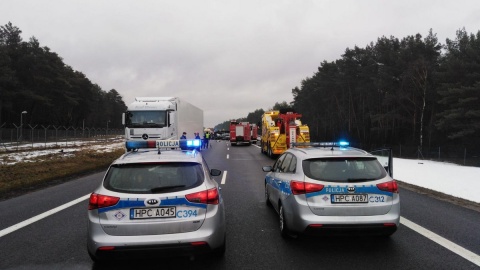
column 27, row 175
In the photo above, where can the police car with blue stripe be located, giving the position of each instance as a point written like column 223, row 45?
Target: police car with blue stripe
column 156, row 200
column 332, row 188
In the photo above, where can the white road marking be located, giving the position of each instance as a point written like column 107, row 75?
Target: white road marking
column 470, row 256
column 224, row 177
column 41, row 216
column 227, row 156
column 467, row 254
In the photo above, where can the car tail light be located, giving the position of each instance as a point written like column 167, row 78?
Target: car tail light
column 99, row 201
column 201, row 243
column 207, row 197
column 299, row 187
column 106, row 248
column 389, row 186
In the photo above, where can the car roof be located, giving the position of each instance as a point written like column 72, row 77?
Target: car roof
column 328, row 152
column 153, row 155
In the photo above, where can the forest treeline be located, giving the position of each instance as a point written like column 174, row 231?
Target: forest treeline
column 36, row 80
column 414, row 91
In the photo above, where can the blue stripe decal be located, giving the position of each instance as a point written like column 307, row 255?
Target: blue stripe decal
column 372, row 189
column 139, row 202
column 283, row 187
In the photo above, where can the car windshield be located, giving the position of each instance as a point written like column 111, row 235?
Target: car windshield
column 344, row 169
column 153, row 177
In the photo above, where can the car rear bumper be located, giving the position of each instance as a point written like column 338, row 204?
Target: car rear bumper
column 342, row 229
column 300, row 219
column 209, row 237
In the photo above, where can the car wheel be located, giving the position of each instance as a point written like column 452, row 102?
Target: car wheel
column 284, row 231
column 267, row 197
column 95, row 259
column 269, row 151
column 283, row 224
column 220, row 251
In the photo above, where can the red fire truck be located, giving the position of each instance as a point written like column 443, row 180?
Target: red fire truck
column 240, row 133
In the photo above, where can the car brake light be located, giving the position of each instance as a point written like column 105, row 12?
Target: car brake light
column 207, row 197
column 298, row 187
column 106, row 248
column 202, row 243
column 99, row 201
column 389, row 186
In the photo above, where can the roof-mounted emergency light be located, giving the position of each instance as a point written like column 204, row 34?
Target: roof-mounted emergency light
column 182, row 144
column 322, row 144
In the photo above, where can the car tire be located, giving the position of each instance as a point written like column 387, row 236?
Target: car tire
column 284, row 231
column 220, row 251
column 95, row 259
column 267, row 197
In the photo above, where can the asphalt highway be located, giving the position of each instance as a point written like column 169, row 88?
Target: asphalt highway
column 36, row 234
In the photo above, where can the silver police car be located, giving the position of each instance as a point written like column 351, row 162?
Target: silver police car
column 331, row 188
column 157, row 202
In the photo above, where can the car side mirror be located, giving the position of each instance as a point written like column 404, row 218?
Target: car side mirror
column 215, row 172
column 267, row 168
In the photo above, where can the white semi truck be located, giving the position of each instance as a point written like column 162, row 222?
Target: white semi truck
column 161, row 118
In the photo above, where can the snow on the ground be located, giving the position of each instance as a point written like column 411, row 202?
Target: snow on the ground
column 456, row 180
column 35, row 152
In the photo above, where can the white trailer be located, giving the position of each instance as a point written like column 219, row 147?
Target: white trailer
column 161, row 118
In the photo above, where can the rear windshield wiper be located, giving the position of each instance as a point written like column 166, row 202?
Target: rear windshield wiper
column 158, row 189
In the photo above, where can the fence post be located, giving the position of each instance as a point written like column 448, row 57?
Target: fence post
column 66, row 137
column 56, row 134
column 74, row 134
column 45, row 128
column 1, row 137
column 32, row 132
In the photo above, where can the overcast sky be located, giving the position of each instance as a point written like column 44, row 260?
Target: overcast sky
column 227, row 57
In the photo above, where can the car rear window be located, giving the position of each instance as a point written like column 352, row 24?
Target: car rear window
column 153, row 177
column 344, row 169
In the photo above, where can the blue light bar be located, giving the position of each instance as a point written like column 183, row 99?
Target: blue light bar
column 190, row 144
column 131, row 145
column 169, row 144
column 343, row 143
column 323, row 144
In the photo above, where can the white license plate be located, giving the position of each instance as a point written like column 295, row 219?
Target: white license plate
column 349, row 198
column 153, row 212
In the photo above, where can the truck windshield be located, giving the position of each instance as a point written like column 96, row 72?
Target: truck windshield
column 145, row 119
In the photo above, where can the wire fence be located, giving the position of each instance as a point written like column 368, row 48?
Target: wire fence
column 458, row 154
column 40, row 136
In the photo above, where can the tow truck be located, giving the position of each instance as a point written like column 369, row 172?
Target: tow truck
column 281, row 128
